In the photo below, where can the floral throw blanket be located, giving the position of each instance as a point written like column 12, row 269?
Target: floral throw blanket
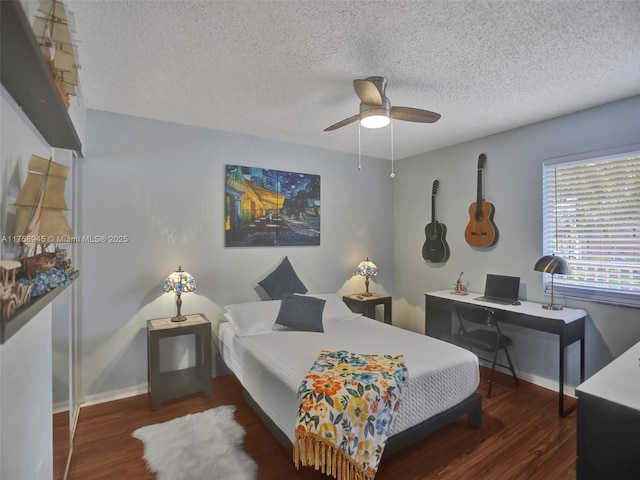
column 347, row 403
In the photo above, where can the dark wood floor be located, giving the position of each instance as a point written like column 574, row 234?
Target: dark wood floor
column 522, row 437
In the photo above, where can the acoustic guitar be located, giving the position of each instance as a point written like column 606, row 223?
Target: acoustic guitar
column 481, row 230
column 435, row 248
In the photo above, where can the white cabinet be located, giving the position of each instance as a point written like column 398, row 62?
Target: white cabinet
column 608, row 427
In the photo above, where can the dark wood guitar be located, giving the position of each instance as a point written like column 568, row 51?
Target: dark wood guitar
column 435, row 248
column 481, row 230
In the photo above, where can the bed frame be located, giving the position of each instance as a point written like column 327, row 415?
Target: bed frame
column 471, row 406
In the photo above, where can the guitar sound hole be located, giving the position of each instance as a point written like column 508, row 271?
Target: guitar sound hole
column 479, row 216
column 433, row 236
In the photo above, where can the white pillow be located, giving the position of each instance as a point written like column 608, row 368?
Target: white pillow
column 334, row 308
column 253, row 318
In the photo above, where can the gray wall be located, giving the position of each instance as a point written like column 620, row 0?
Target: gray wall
column 513, row 183
column 162, row 185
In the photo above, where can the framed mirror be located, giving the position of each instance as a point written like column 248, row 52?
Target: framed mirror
column 64, row 352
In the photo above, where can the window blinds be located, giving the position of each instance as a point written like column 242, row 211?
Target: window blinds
column 591, row 218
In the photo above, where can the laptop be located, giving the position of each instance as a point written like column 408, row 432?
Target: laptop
column 501, row 289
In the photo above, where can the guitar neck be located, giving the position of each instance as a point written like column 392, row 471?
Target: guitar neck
column 479, row 197
column 433, row 209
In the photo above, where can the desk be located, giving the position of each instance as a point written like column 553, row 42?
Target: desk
column 567, row 323
column 358, row 303
column 172, row 384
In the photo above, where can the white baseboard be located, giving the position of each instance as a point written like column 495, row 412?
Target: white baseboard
column 547, row 383
column 60, row 407
column 115, row 395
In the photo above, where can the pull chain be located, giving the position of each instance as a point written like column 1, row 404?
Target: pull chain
column 393, row 175
column 359, row 150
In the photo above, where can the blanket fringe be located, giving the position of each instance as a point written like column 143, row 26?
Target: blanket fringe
column 310, row 450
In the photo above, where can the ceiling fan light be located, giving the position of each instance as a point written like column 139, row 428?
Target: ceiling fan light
column 375, row 121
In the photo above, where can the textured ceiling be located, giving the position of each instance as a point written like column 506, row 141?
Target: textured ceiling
column 284, row 69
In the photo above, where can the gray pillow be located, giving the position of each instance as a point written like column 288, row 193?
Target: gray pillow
column 300, row 313
column 282, row 280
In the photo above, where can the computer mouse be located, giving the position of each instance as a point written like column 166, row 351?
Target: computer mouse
column 515, row 303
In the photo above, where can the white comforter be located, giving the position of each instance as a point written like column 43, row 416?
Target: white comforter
column 271, row 366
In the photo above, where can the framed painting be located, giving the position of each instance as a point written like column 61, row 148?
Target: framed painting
column 266, row 207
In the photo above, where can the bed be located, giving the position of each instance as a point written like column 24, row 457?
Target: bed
column 270, row 365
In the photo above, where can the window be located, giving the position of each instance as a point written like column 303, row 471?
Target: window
column 591, row 218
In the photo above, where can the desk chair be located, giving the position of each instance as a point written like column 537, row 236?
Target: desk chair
column 489, row 340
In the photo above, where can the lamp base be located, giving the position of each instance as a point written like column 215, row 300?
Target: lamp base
column 179, row 318
column 552, row 307
column 366, row 294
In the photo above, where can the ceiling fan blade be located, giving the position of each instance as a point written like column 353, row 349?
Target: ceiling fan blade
column 367, row 92
column 414, row 115
column 342, row 123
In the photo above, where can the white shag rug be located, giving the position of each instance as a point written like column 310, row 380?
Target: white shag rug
column 199, row 446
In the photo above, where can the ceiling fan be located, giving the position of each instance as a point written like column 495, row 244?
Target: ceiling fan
column 376, row 110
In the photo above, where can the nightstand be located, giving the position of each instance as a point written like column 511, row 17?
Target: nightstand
column 358, row 303
column 176, row 383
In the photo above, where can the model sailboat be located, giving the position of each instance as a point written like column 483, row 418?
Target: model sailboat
column 40, row 221
column 53, row 34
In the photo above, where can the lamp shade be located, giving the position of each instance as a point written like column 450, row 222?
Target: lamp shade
column 180, row 282
column 367, row 268
column 552, row 264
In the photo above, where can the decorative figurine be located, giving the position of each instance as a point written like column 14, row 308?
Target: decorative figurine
column 13, row 294
column 460, row 288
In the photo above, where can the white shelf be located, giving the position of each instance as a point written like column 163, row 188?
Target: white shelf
column 28, row 80
column 24, row 314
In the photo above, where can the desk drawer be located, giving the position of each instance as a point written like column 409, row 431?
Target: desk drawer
column 437, row 318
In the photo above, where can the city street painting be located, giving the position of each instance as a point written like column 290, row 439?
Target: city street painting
column 266, row 207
